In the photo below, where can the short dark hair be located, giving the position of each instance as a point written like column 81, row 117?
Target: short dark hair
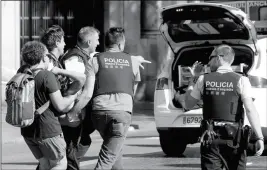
column 33, row 52
column 85, row 33
column 52, row 35
column 114, row 36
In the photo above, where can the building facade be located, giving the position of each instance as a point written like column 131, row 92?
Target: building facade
column 23, row 21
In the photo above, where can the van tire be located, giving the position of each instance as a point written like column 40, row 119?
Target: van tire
column 171, row 145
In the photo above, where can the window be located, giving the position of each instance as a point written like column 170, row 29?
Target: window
column 263, row 13
column 150, row 15
column 36, row 16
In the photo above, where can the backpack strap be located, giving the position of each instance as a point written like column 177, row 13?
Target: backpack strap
column 45, row 106
column 36, row 71
column 41, row 109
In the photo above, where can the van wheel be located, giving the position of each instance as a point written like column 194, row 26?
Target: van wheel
column 171, row 145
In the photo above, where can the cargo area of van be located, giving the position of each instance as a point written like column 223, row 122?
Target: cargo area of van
column 186, row 57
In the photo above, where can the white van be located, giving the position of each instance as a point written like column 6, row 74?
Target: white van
column 191, row 31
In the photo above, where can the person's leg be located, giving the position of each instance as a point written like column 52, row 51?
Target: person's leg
column 237, row 160
column 36, row 151
column 71, row 135
column 242, row 160
column 54, row 149
column 114, row 134
column 44, row 164
column 58, row 164
column 118, row 165
column 85, row 141
column 83, row 146
column 210, row 159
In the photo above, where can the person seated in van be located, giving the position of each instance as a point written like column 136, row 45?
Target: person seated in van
column 179, row 98
column 44, row 136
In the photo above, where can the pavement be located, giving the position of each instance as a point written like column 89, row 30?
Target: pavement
column 142, row 120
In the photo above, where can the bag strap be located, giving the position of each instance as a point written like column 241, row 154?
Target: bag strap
column 41, row 109
column 45, row 106
column 36, row 71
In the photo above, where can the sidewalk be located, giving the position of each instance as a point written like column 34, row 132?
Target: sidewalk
column 143, row 119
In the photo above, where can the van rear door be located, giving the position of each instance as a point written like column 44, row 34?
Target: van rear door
column 195, row 23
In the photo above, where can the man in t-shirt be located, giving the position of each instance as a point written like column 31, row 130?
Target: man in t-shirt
column 114, row 75
column 44, row 136
column 53, row 38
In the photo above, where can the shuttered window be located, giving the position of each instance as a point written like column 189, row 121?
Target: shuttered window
column 38, row 15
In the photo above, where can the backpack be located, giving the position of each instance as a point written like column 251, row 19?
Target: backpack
column 20, row 98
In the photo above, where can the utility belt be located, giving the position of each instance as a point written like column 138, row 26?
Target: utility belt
column 225, row 132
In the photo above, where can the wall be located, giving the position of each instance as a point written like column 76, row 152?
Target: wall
column 10, row 36
column 147, row 42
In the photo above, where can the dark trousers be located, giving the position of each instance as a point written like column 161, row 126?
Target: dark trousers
column 219, row 153
column 113, row 127
column 78, row 141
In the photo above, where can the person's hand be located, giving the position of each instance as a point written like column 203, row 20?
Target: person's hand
column 196, row 69
column 56, row 70
column 141, row 60
column 72, row 115
column 180, row 98
column 62, row 116
column 260, row 145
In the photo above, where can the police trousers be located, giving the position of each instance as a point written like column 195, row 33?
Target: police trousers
column 113, row 127
column 220, row 154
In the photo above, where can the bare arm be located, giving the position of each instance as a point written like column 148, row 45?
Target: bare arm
column 85, row 96
column 135, row 87
column 141, row 60
column 252, row 116
column 254, row 120
column 59, row 102
column 79, row 79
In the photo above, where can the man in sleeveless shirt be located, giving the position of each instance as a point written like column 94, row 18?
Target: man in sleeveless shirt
column 76, row 59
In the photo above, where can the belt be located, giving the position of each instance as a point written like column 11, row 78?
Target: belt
column 223, row 123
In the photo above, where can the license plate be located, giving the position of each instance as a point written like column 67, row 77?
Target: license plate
column 192, row 120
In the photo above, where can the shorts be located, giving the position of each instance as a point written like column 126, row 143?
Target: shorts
column 51, row 148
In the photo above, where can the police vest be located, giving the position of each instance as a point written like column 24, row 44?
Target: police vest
column 82, row 56
column 74, row 52
column 220, row 98
column 115, row 73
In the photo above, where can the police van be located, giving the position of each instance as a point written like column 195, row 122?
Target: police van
column 192, row 31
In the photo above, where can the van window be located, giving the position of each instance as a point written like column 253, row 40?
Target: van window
column 196, row 23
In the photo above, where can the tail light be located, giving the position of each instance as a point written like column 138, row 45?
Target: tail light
column 162, row 83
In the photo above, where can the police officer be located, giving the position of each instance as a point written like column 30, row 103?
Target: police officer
column 113, row 78
column 224, row 93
